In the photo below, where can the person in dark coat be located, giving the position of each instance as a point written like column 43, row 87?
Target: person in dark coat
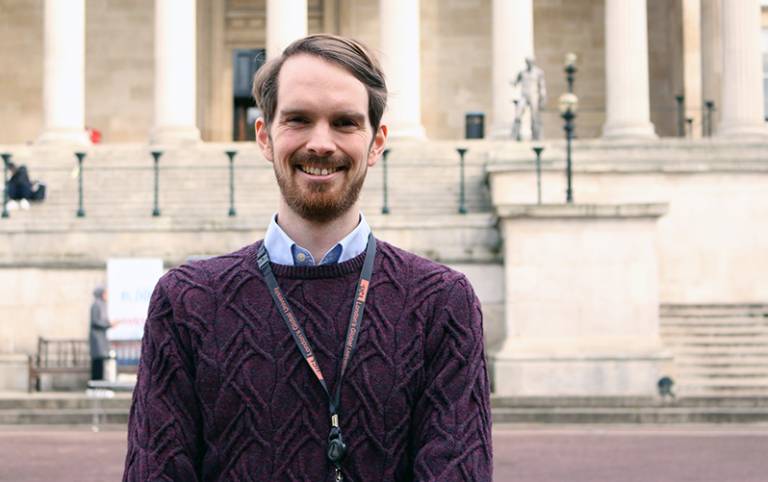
column 19, row 186
column 98, row 333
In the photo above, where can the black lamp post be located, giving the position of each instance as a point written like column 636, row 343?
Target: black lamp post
column 707, row 124
column 538, row 150
column 570, row 69
column 156, row 157
column 462, row 196
column 568, row 105
column 80, row 210
column 6, row 159
column 231, row 155
column 385, row 191
column 680, row 115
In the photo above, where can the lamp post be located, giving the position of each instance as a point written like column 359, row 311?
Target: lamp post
column 156, row 207
column 537, row 150
column 462, row 195
column 231, row 155
column 570, row 69
column 80, row 210
column 568, row 105
column 385, row 192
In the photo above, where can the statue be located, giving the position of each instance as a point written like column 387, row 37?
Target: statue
column 533, row 95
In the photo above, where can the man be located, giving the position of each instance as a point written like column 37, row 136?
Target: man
column 533, row 96
column 320, row 353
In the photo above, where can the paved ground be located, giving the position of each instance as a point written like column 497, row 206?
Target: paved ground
column 528, row 454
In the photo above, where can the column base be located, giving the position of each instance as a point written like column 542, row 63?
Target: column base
column 175, row 135
column 743, row 131
column 569, row 371
column 64, row 137
column 643, row 131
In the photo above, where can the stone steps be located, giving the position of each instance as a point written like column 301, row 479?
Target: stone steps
column 718, row 349
column 76, row 409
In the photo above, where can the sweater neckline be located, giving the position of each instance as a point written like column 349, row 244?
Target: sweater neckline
column 335, row 270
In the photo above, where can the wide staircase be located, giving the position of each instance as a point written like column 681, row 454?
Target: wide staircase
column 719, row 350
column 194, row 185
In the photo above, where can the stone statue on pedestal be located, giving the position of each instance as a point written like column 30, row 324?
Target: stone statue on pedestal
column 533, row 95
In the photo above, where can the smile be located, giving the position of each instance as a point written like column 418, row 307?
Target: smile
column 318, row 171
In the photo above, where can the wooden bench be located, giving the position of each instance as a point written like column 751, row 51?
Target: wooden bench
column 57, row 357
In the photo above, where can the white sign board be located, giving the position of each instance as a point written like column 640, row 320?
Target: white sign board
column 130, row 282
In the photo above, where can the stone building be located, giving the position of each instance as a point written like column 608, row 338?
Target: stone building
column 110, row 58
column 588, row 299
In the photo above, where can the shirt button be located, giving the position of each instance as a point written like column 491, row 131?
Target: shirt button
column 301, row 257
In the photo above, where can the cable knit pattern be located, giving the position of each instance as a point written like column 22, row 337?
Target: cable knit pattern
column 224, row 395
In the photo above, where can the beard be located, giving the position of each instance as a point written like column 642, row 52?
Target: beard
column 319, row 202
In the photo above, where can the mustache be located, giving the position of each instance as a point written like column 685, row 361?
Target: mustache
column 334, row 162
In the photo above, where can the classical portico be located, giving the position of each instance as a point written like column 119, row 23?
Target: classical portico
column 718, row 57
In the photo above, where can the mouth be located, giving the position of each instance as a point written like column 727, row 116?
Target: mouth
column 318, row 171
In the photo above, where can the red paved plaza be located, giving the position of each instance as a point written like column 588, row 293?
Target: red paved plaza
column 530, row 454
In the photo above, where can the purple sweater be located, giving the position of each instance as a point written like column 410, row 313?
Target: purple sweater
column 223, row 394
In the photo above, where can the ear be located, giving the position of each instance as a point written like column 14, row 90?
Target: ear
column 263, row 139
column 378, row 144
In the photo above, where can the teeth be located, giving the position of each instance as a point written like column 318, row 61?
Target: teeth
column 316, row 171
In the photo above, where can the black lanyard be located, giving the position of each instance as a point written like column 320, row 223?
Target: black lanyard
column 336, row 447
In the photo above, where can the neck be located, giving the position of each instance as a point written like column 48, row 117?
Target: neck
column 316, row 237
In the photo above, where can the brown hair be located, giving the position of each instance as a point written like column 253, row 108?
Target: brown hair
column 347, row 53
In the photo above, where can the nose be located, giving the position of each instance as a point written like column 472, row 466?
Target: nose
column 321, row 141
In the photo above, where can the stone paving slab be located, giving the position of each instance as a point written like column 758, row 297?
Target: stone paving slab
column 521, row 453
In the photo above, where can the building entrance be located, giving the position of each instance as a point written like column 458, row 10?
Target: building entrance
column 245, row 63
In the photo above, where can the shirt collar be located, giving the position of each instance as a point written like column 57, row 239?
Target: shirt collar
column 283, row 250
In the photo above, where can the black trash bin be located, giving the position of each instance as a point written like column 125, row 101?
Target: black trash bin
column 474, row 125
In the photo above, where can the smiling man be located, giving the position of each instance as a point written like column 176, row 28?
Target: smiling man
column 320, row 353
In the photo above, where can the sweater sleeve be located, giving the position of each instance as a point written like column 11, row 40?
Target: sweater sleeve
column 164, row 426
column 452, row 419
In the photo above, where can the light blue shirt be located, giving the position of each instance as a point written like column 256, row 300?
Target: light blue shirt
column 283, row 250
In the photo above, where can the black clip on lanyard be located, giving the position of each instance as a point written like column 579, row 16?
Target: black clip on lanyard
column 336, row 447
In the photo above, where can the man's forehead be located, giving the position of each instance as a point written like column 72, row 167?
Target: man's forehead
column 304, row 77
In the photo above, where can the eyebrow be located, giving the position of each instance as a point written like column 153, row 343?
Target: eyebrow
column 354, row 115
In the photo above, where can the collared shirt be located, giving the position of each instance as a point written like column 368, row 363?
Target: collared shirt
column 283, row 250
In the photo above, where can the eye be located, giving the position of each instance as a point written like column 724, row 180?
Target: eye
column 295, row 119
column 345, row 122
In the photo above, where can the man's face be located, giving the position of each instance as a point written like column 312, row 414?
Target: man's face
column 320, row 141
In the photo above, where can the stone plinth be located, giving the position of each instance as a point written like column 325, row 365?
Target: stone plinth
column 582, row 300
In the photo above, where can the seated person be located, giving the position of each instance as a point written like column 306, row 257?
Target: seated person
column 20, row 189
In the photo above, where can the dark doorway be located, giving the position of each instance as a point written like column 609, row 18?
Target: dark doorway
column 245, row 63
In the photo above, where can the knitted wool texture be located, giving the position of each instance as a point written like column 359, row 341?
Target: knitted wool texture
column 223, row 394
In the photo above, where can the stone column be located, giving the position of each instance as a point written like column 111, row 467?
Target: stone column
column 175, row 72
column 401, row 60
column 286, row 22
column 627, row 103
column 512, row 43
column 692, row 82
column 64, row 73
column 741, row 114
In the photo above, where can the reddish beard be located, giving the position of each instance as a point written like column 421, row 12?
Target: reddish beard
column 319, row 201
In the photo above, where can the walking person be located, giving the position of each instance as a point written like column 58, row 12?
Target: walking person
column 98, row 333
column 319, row 353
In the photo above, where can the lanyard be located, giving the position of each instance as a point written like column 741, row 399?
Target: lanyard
column 336, row 447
